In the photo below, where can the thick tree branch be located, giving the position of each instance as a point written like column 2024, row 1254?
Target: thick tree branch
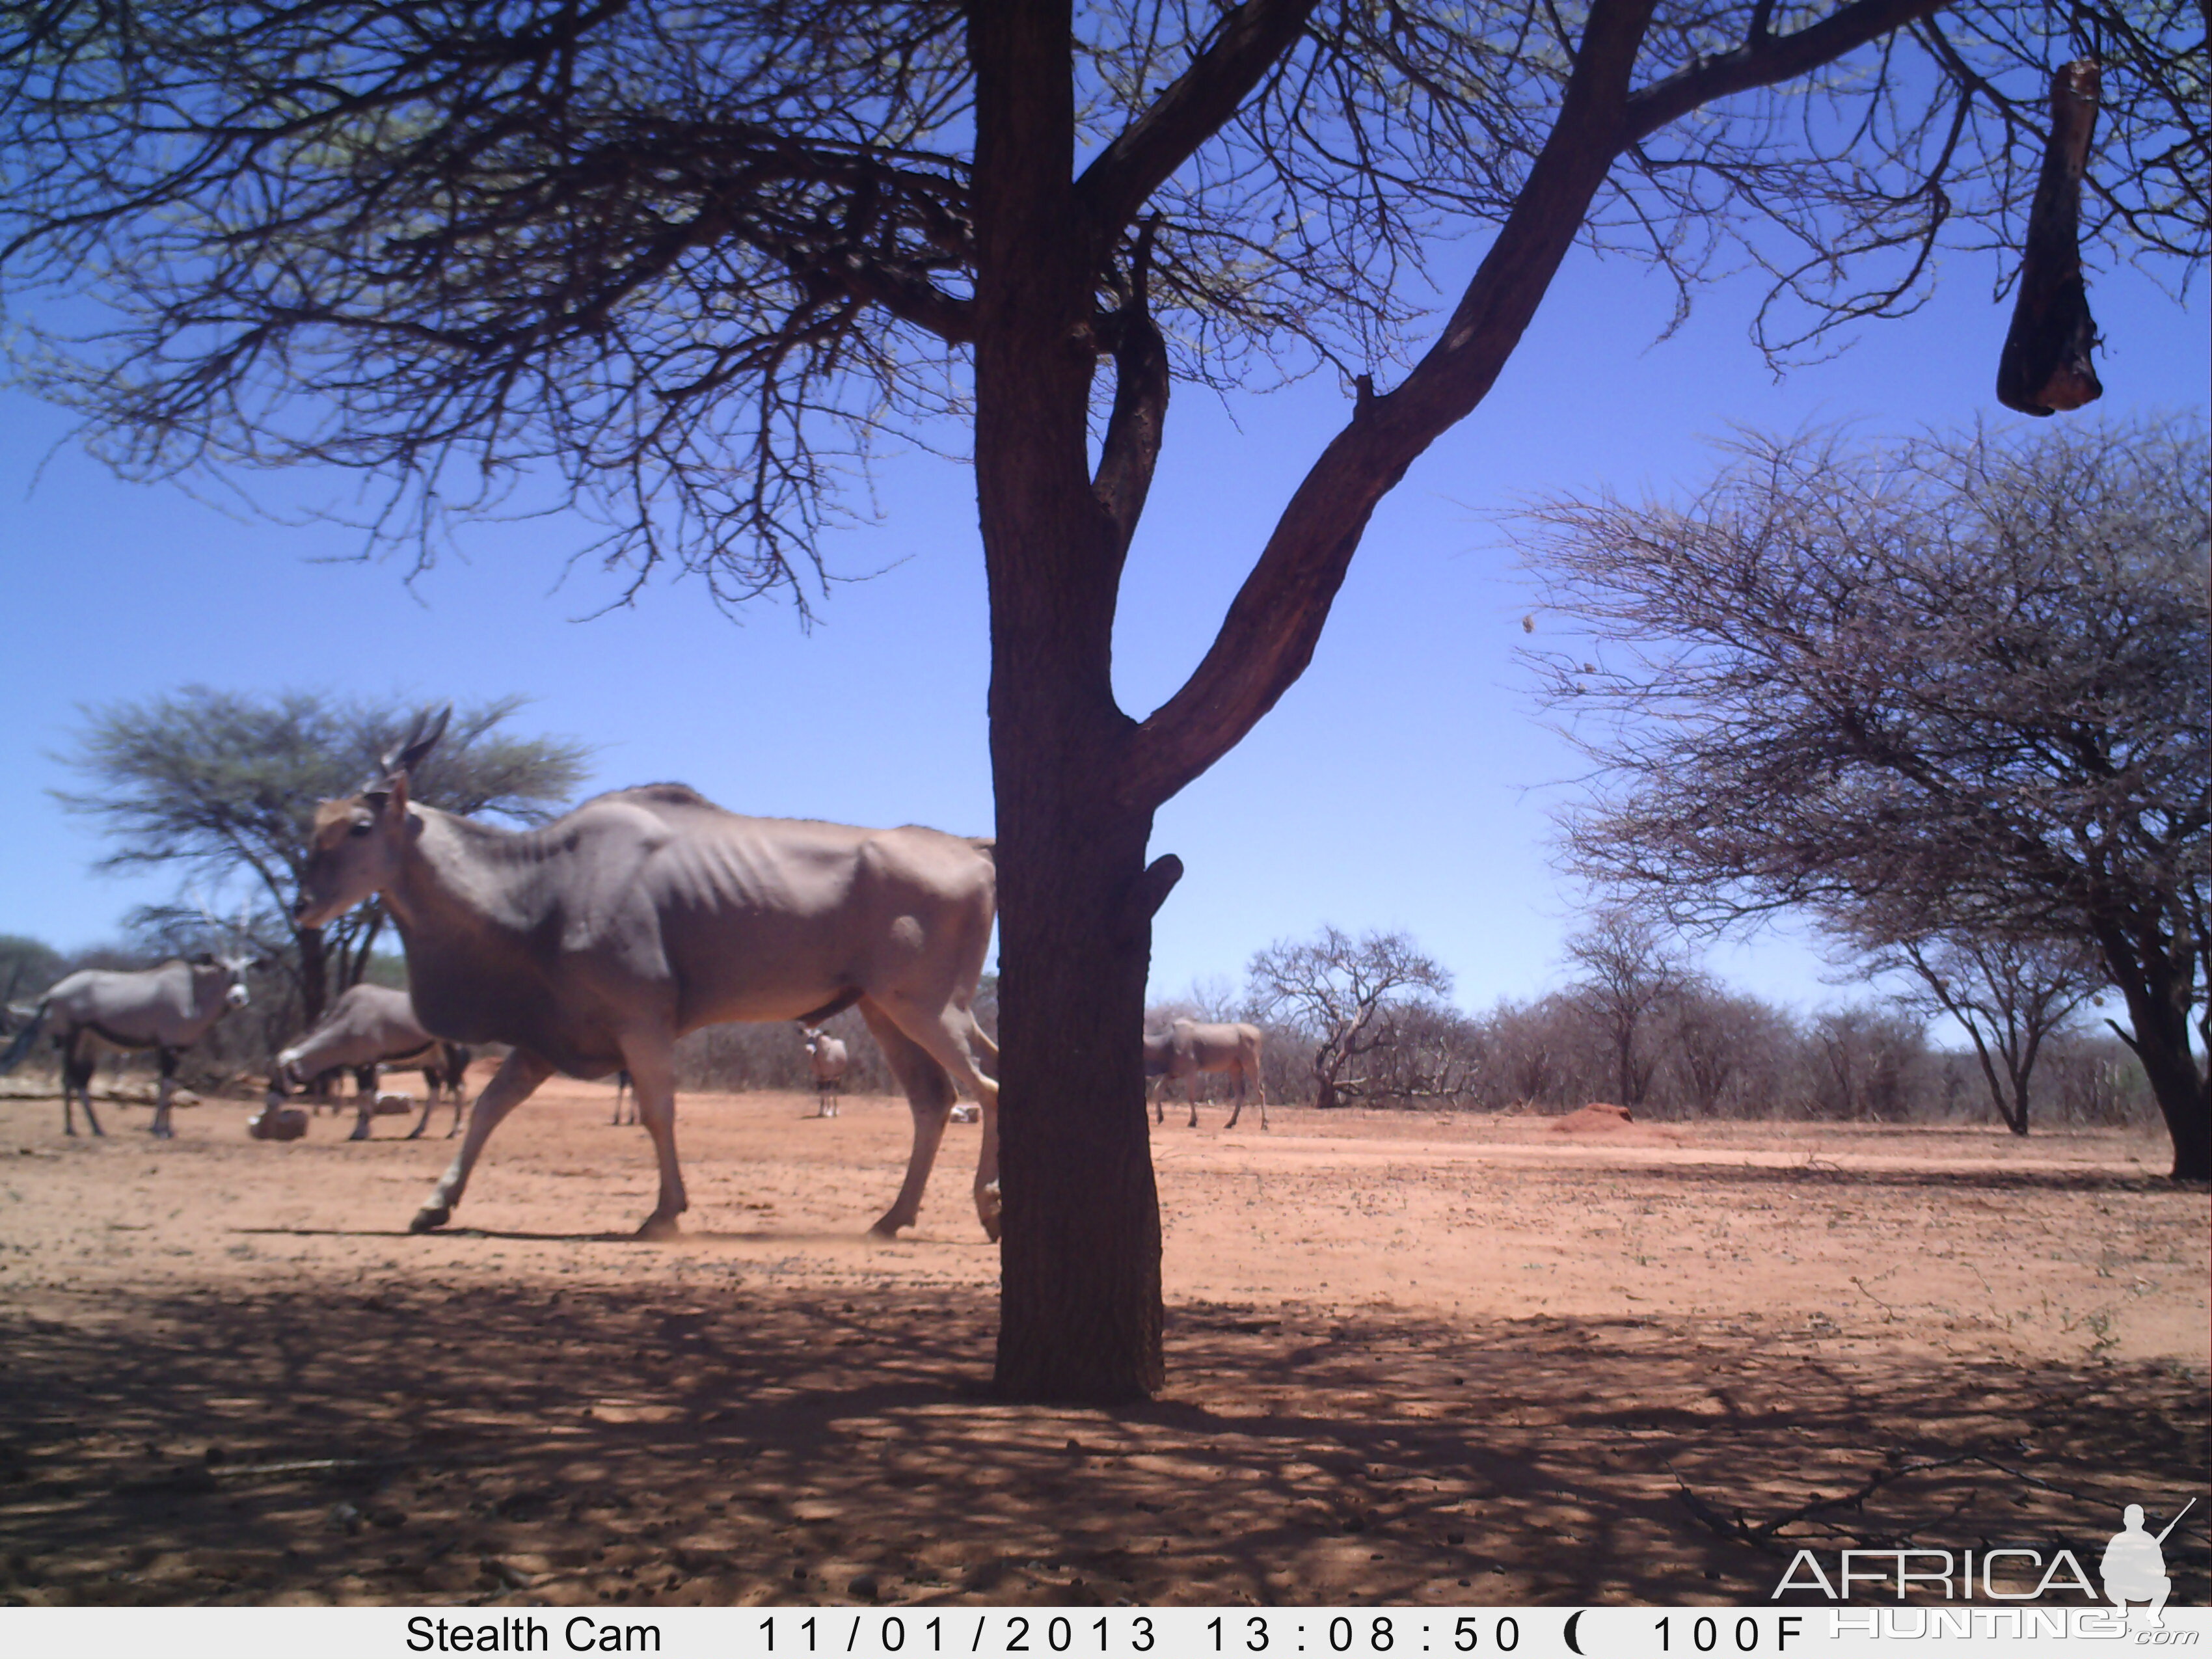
column 1269, row 634
column 1140, row 402
column 1768, row 59
column 1254, row 38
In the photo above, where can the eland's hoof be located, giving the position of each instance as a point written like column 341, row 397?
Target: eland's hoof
column 160, row 1131
column 659, row 1227
column 429, row 1219
column 888, row 1225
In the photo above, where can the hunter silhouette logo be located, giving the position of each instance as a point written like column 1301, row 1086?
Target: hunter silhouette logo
column 2134, row 1567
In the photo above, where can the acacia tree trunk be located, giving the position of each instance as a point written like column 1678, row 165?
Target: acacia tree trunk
column 1076, row 780
column 2156, row 975
column 1080, row 1307
column 2160, row 1042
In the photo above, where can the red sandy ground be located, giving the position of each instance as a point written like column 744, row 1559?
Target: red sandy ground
column 1414, row 1357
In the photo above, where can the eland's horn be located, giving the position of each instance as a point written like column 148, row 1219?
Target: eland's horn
column 421, row 739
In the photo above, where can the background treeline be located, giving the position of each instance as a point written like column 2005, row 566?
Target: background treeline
column 1706, row 1054
column 1697, row 1050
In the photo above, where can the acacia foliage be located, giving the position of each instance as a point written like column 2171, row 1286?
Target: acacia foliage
column 220, row 788
column 1953, row 686
column 680, row 266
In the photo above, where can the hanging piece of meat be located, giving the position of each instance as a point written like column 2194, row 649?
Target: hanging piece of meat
column 2046, row 366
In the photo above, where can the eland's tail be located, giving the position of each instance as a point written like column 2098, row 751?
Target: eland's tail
column 24, row 1039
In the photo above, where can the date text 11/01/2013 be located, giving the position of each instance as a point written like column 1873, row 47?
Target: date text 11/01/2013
column 1135, row 1633
column 1281, row 1632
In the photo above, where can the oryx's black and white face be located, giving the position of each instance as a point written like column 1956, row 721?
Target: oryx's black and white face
column 222, row 979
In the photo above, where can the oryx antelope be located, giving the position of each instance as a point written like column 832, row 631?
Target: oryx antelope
column 829, row 1058
column 1189, row 1046
column 371, row 1026
column 593, row 943
column 166, row 1009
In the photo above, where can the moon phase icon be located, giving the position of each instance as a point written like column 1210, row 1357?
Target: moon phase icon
column 1573, row 1618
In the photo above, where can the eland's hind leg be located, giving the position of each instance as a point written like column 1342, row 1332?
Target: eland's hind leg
column 950, row 1036
column 653, row 1089
column 929, row 1096
column 517, row 1077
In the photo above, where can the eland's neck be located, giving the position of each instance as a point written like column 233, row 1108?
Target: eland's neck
column 467, row 884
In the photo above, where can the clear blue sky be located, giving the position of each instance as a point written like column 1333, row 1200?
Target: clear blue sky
column 1406, row 781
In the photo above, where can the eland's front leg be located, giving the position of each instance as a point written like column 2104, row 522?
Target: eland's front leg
column 517, row 1077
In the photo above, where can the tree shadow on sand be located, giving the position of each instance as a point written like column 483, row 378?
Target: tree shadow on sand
column 539, row 1443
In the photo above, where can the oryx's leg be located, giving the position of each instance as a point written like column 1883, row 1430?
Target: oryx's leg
column 160, row 1130
column 431, row 1075
column 652, row 1086
column 518, row 1076
column 78, row 1064
column 364, row 1102
column 929, row 1096
column 950, row 1036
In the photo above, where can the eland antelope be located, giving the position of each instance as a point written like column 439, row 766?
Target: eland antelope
column 368, row 1027
column 1190, row 1048
column 166, row 1009
column 590, row 944
column 829, row 1058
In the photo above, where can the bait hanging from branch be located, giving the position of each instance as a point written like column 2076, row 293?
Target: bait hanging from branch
column 2047, row 364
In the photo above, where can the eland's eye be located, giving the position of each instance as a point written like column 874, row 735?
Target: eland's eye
column 360, row 827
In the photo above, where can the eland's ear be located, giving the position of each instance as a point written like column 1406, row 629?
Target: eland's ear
column 422, row 738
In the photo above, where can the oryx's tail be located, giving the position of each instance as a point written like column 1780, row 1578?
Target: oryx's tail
column 24, row 1039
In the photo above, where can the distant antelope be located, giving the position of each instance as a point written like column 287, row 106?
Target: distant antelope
column 1190, row 1048
column 593, row 943
column 368, row 1027
column 622, row 1090
column 828, row 1055
column 166, row 1009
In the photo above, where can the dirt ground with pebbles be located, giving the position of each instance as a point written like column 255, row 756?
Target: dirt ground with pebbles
column 1414, row 1357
